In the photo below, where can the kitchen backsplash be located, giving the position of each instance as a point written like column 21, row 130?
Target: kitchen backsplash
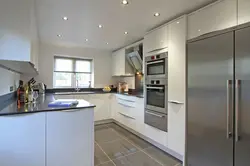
column 8, row 79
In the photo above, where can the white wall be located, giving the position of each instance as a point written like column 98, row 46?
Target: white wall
column 102, row 63
column 7, row 79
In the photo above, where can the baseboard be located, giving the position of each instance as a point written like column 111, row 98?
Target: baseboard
column 163, row 148
column 106, row 121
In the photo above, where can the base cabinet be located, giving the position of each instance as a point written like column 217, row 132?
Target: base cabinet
column 70, row 138
column 22, row 140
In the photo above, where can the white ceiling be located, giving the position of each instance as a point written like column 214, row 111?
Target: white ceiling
column 84, row 16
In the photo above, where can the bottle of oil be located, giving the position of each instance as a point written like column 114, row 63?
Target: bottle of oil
column 20, row 94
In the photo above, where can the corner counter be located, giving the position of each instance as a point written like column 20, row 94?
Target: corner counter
column 43, row 136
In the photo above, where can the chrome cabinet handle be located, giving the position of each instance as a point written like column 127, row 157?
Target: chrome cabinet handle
column 229, row 101
column 126, row 105
column 154, row 114
column 237, row 109
column 160, row 88
column 126, row 116
column 127, row 100
column 150, row 63
column 175, row 102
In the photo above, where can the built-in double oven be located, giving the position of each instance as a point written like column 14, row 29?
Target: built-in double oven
column 156, row 88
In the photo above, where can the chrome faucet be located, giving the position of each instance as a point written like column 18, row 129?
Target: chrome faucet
column 77, row 87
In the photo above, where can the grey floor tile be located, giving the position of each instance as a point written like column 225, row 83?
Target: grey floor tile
column 161, row 156
column 118, row 148
column 106, row 135
column 100, row 127
column 138, row 142
column 100, row 156
column 120, row 130
column 136, row 159
column 107, row 164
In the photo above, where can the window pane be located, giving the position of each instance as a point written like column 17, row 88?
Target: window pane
column 83, row 80
column 63, row 79
column 83, row 66
column 63, row 65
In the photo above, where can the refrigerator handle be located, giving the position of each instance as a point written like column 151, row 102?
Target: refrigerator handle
column 229, row 101
column 237, row 109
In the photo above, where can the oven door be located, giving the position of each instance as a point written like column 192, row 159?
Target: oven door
column 156, row 97
column 156, row 68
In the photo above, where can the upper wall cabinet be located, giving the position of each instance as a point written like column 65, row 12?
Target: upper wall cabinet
column 120, row 65
column 18, row 32
column 157, row 39
column 243, row 11
column 217, row 16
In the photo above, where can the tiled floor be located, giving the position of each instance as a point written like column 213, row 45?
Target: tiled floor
column 115, row 146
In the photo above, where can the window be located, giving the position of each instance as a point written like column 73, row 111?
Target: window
column 72, row 73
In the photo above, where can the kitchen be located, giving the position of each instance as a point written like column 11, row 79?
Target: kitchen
column 161, row 118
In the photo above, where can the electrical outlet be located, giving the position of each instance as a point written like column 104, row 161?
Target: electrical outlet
column 11, row 88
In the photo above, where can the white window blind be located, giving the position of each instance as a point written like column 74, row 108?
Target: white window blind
column 72, row 73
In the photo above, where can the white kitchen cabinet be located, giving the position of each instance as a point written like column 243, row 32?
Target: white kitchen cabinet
column 120, row 65
column 18, row 36
column 217, row 16
column 177, row 84
column 102, row 109
column 156, row 39
column 70, row 138
column 22, row 140
column 243, row 11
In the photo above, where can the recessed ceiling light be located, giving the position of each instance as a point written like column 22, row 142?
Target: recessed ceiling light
column 59, row 35
column 125, row 33
column 86, row 40
column 199, row 30
column 157, row 14
column 100, row 26
column 107, row 43
column 65, row 18
column 177, row 22
column 124, row 2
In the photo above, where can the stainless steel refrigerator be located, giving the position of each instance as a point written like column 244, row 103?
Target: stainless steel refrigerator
column 218, row 98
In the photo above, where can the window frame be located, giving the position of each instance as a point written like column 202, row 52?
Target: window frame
column 73, row 72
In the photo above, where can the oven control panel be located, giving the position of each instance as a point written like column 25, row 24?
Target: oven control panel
column 156, row 81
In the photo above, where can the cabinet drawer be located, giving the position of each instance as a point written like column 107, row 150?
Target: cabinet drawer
column 157, row 120
column 126, row 119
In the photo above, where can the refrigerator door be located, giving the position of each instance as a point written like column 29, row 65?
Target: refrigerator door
column 210, row 98
column 242, row 105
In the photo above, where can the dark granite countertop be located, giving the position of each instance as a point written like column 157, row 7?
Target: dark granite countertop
column 40, row 106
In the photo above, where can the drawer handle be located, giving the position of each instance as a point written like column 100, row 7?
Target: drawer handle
column 126, row 116
column 126, row 105
column 175, row 102
column 154, row 114
column 127, row 100
column 70, row 110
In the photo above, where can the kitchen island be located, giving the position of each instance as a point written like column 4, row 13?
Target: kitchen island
column 37, row 135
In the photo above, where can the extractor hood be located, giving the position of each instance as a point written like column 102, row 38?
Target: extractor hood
column 135, row 57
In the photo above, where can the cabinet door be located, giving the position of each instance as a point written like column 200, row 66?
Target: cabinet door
column 70, row 138
column 218, row 16
column 22, row 140
column 156, row 39
column 102, row 109
column 243, row 11
column 176, row 85
column 114, row 64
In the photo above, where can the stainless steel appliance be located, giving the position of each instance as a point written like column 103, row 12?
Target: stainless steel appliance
column 218, row 98
column 156, row 65
column 156, row 103
column 135, row 56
